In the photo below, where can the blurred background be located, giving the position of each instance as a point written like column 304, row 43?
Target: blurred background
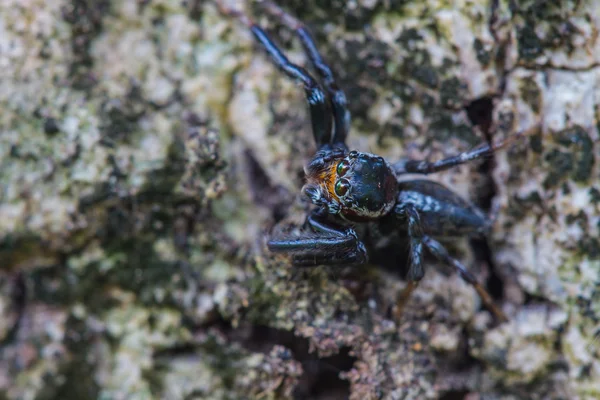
column 147, row 148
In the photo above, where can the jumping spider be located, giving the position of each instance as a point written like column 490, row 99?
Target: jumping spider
column 352, row 187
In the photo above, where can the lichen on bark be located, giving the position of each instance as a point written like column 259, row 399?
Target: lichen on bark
column 148, row 147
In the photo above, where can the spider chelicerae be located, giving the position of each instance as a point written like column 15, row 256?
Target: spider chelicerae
column 351, row 188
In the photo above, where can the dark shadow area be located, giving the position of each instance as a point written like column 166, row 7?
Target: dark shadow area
column 483, row 253
column 480, row 112
column 460, row 372
column 321, row 375
column 454, row 395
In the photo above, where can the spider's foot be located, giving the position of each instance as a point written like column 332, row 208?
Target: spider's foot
column 403, row 299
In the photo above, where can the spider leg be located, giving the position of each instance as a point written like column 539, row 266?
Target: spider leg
column 427, row 167
column 441, row 253
column 317, row 101
column 328, row 244
column 337, row 96
column 415, row 267
column 313, row 244
column 344, row 257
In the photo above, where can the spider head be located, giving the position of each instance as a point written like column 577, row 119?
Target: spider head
column 358, row 186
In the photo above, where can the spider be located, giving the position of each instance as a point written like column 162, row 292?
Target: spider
column 354, row 188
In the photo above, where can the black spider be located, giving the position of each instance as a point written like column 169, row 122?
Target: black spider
column 352, row 187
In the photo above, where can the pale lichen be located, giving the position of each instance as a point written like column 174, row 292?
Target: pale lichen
column 147, row 147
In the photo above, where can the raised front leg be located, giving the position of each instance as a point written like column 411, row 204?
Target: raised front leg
column 319, row 106
column 325, row 244
column 337, row 97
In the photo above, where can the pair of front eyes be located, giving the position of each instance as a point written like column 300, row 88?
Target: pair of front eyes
column 342, row 185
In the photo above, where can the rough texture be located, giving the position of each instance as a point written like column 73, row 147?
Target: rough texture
column 146, row 147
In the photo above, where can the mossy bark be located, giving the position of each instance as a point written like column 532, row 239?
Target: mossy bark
column 148, row 147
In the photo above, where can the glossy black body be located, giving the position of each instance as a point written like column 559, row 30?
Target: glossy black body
column 442, row 212
column 355, row 191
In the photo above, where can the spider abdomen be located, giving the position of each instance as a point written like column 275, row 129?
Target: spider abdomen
column 441, row 211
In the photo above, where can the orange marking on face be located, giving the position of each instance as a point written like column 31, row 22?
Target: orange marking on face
column 327, row 178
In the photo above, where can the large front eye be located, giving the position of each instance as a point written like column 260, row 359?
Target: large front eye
column 341, row 187
column 342, row 168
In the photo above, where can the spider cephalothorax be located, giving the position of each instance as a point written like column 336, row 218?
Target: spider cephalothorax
column 357, row 186
column 350, row 187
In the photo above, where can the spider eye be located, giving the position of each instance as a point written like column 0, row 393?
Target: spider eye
column 341, row 187
column 342, row 168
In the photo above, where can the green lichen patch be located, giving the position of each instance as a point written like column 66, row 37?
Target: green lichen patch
column 352, row 17
column 575, row 157
column 484, row 56
column 530, row 46
column 555, row 33
column 531, row 94
column 548, row 232
column 125, row 134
